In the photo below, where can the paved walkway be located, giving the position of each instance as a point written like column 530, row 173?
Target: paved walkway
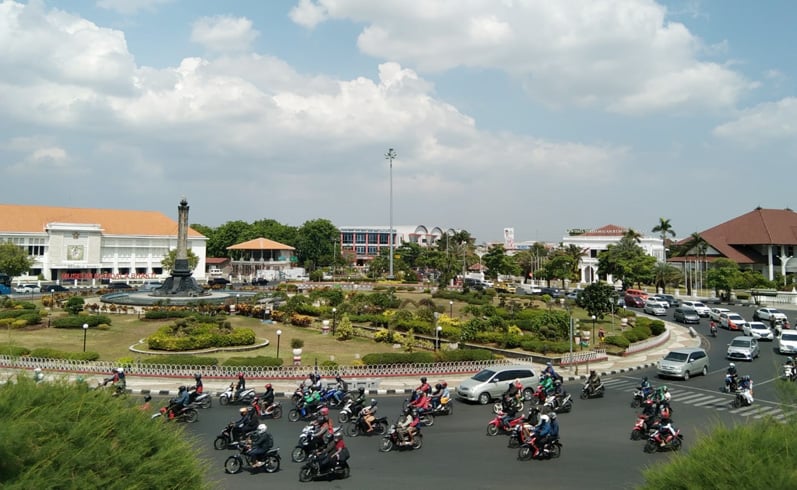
column 679, row 337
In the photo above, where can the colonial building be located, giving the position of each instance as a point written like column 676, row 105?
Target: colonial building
column 367, row 242
column 261, row 258
column 86, row 246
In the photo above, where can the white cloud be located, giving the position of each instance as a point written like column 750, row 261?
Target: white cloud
column 621, row 55
column 763, row 124
column 308, row 14
column 128, row 7
column 224, row 33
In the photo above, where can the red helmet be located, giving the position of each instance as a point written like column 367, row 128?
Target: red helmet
column 240, row 375
column 268, row 386
column 324, row 411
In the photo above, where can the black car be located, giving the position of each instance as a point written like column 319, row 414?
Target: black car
column 259, row 282
column 218, row 281
column 552, row 292
column 54, row 288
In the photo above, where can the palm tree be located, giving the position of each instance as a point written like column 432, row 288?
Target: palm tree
column 633, row 235
column 664, row 228
column 574, row 252
column 696, row 245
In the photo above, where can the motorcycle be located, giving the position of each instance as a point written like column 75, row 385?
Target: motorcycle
column 654, row 442
column 588, row 392
column 302, row 413
column 789, row 373
column 202, row 400
column 496, row 425
column 445, row 407
column 225, row 440
column 425, row 415
column 539, row 396
column 516, row 437
column 731, row 384
column 551, row 449
column 560, row 406
column 263, row 411
column 642, row 428
column 499, row 406
column 234, row 463
column 393, row 440
column 306, row 445
column 187, row 414
column 349, row 410
column 639, row 398
column 357, row 426
column 312, row 470
column 740, row 400
column 245, row 398
column 713, row 329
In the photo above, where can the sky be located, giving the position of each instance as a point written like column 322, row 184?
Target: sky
column 528, row 114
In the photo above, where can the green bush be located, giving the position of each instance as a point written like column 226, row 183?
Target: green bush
column 77, row 321
column 545, row 346
column 459, row 355
column 14, row 313
column 48, row 353
column 167, row 313
column 192, row 334
column 618, row 340
column 181, row 360
column 657, row 327
column 253, row 361
column 13, row 350
column 398, row 358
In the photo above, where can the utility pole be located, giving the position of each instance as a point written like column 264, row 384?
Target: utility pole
column 390, row 156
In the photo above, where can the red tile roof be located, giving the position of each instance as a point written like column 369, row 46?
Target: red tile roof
column 216, row 260
column 34, row 219
column 260, row 244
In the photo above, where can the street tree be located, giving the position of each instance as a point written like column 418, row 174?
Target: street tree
column 498, row 262
column 664, row 228
column 598, row 299
column 627, row 261
column 666, row 274
column 14, row 260
column 314, row 241
column 724, row 275
column 168, row 261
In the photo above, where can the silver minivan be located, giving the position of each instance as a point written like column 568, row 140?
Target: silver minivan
column 683, row 363
column 492, row 382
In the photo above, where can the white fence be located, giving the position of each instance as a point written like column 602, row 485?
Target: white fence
column 648, row 343
column 583, row 357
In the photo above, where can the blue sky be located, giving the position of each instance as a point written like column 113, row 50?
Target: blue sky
column 536, row 115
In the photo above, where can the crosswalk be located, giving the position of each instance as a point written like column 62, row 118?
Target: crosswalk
column 720, row 402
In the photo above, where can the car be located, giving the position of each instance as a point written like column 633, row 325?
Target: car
column 786, row 342
column 634, row 301
column 758, row 330
column 505, row 287
column 743, row 348
column 477, row 284
column 732, row 321
column 768, row 314
column 527, row 289
column 490, row 383
column 671, row 300
column 552, row 292
column 27, row 289
column 684, row 363
column 714, row 313
column 653, row 307
column 54, row 288
column 259, row 281
column 698, row 306
column 218, row 281
column 665, row 302
column 119, row 286
column 573, row 294
column 685, row 314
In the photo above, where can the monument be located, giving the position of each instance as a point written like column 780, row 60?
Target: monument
column 181, row 284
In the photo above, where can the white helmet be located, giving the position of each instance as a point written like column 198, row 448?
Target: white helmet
column 731, row 365
column 262, row 428
column 120, row 370
column 544, row 418
column 37, row 370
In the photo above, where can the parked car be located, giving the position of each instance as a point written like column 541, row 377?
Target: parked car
column 552, row 292
column 671, row 300
column 685, row 314
column 54, row 288
column 714, row 313
column 119, row 286
column 259, row 281
column 743, row 348
column 491, row 383
column 786, row 342
column 653, row 307
column 758, row 330
column 505, row 287
column 27, row 289
column 665, row 302
column 732, row 321
column 698, row 306
column 767, row 314
column 634, row 301
column 683, row 363
column 218, row 282
column 527, row 289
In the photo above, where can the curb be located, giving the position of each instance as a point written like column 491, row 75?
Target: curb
column 277, row 394
column 613, row 371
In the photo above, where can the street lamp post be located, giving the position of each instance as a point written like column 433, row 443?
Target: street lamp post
column 279, row 333
column 85, row 329
column 438, row 330
column 451, row 309
column 390, row 156
column 334, row 320
column 593, row 329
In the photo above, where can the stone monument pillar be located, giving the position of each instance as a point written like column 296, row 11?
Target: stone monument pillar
column 181, row 283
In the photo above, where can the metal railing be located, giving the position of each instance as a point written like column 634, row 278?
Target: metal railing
column 583, row 357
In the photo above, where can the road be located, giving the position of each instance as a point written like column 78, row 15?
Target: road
column 597, row 450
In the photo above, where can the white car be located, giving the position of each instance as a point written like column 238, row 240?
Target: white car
column 786, row 342
column 758, row 330
column 27, row 289
column 653, row 307
column 715, row 313
column 732, row 321
column 767, row 314
column 698, row 306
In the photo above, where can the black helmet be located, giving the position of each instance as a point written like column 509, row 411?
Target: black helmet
column 423, row 379
column 361, row 390
column 147, row 398
column 438, row 386
column 182, row 388
column 373, row 402
column 197, row 376
column 320, row 419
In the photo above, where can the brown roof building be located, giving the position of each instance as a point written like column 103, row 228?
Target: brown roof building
column 262, row 258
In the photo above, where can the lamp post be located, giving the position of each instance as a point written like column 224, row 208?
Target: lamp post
column 593, row 329
column 279, row 333
column 437, row 337
column 334, row 320
column 570, row 314
column 390, row 156
column 451, row 309
column 85, row 329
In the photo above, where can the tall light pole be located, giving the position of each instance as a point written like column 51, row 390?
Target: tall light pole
column 279, row 333
column 451, row 309
column 437, row 329
column 334, row 320
column 593, row 329
column 390, row 156
column 85, row 329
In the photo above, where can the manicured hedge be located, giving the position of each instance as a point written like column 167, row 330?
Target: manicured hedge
column 13, row 350
column 253, row 361
column 465, row 355
column 15, row 313
column 47, row 353
column 181, row 360
column 657, row 327
column 618, row 340
column 398, row 358
column 546, row 346
column 163, row 314
column 77, row 321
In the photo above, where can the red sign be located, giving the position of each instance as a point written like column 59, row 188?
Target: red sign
column 105, row 275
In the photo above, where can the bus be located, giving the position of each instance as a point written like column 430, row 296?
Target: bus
column 5, row 283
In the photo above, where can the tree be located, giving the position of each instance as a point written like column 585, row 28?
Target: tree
column 627, row 261
column 344, row 329
column 14, row 260
column 168, row 260
column 724, row 275
column 498, row 263
column 90, row 427
column 74, row 305
column 664, row 228
column 598, row 299
column 665, row 274
column 314, row 241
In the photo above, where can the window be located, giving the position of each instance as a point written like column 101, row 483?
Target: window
column 348, row 238
column 359, row 250
column 372, row 237
column 360, row 237
column 384, row 238
column 372, row 250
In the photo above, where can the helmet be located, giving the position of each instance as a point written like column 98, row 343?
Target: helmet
column 262, row 428
column 197, row 376
column 445, row 385
column 147, row 398
column 645, row 378
column 664, row 388
column 250, row 409
column 746, row 378
column 182, row 388
column 37, row 370
column 592, row 372
column 546, row 409
column 731, row 365
column 320, row 419
column 120, row 370
column 517, row 381
column 373, row 402
column 361, row 390
column 324, row 411
column 423, row 379
column 407, row 410
column 338, row 435
column 549, row 363
column 552, row 416
column 544, row 418
column 240, row 375
column 268, row 386
column 243, row 410
column 438, row 386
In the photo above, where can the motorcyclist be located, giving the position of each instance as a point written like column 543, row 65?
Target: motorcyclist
column 713, row 327
column 666, row 430
column 406, row 426
column 650, row 413
column 554, row 434
column 240, row 386
column 315, row 383
column 436, row 395
column 514, row 388
column 509, row 407
column 311, row 401
column 368, row 415
column 445, row 396
column 177, row 404
column 359, row 401
column 547, row 383
column 746, row 389
column 261, row 443
column 593, row 382
column 731, row 378
column 267, row 397
column 322, row 429
column 646, row 387
column 340, row 389
column 662, row 397
column 338, row 453
column 244, row 425
column 145, row 407
column 421, row 401
column 117, row 379
column 197, row 389
column 541, row 432
column 557, row 395
column 549, row 370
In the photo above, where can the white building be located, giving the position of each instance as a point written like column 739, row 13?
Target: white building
column 367, row 242
column 593, row 242
column 76, row 245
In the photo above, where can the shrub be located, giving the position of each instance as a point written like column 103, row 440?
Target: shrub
column 74, row 305
column 465, row 355
column 181, row 360
column 297, row 343
column 77, row 321
column 253, row 361
column 13, row 350
column 47, row 353
column 618, row 340
column 398, row 358
column 344, row 330
column 545, row 346
column 160, row 314
column 657, row 327
column 192, row 333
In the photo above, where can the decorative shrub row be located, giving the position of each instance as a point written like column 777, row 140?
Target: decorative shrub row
column 14, row 313
column 618, row 340
column 20, row 321
column 301, row 320
column 638, row 333
column 47, row 353
column 472, row 298
column 398, row 358
column 13, row 350
column 77, row 321
column 164, row 340
column 163, row 314
column 459, row 355
column 545, row 346
column 181, row 360
column 253, row 361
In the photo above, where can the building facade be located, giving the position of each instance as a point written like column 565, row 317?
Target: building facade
column 367, row 242
column 89, row 246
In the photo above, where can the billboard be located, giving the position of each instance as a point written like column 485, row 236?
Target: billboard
column 509, row 238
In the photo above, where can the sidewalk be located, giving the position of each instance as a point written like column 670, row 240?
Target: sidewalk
column 139, row 385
